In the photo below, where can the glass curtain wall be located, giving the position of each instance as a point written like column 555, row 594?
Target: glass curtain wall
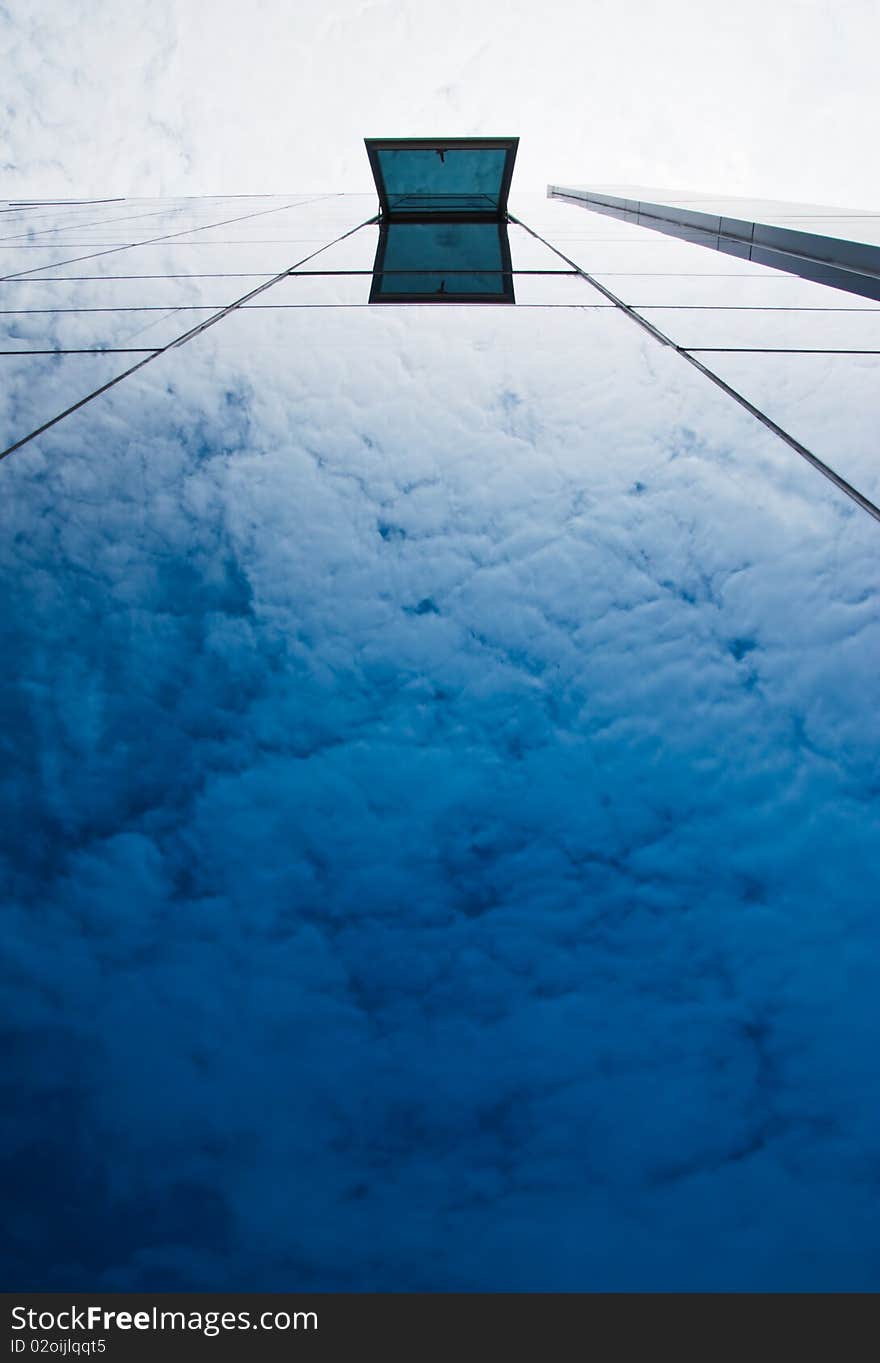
column 440, row 785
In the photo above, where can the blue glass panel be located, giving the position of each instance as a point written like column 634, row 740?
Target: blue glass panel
column 423, row 177
column 443, row 246
column 444, row 262
column 439, row 817
column 428, row 181
column 396, row 287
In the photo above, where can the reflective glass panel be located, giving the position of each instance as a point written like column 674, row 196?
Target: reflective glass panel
column 35, row 388
column 762, row 329
column 831, row 403
column 42, row 292
column 442, row 261
column 99, row 329
column 771, row 290
column 439, row 807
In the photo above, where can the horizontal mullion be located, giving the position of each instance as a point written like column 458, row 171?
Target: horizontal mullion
column 91, row 350
column 146, row 307
column 473, row 269
column 740, row 307
column 779, row 350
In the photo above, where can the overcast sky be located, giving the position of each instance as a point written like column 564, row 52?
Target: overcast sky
column 181, row 97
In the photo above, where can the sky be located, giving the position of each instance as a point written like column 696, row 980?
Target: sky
column 777, row 101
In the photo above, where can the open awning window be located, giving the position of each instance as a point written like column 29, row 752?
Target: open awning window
column 437, row 177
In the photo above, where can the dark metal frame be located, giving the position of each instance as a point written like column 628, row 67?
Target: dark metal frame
column 374, row 145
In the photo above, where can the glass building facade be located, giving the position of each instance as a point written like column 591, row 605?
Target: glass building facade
column 440, row 811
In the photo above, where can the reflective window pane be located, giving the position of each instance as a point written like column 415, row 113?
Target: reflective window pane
column 439, row 795
column 760, row 329
column 831, row 403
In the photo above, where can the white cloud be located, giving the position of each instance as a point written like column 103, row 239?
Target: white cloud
column 168, row 97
